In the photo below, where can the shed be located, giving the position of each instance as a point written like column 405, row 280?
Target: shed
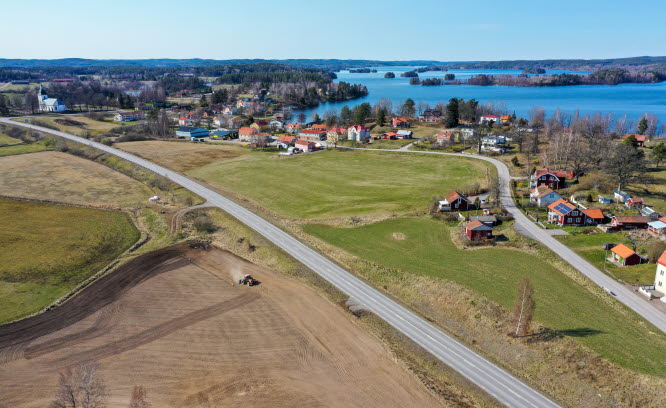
column 657, row 228
column 188, row 131
column 489, row 220
column 603, row 200
column 625, row 256
column 477, row 231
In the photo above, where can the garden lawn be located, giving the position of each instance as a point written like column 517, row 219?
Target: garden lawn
column 494, row 273
column 343, row 183
column 46, row 250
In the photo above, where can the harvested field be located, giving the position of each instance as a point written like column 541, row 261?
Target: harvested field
column 56, row 176
column 175, row 322
column 182, row 156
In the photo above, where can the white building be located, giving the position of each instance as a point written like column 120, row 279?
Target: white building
column 489, row 118
column 493, row 144
column 358, row 133
column 47, row 104
column 128, row 116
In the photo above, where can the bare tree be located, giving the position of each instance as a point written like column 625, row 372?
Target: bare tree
column 524, row 311
column 496, row 184
column 537, row 116
column 139, row 398
column 80, row 387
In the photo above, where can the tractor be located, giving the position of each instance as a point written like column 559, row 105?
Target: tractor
column 247, row 280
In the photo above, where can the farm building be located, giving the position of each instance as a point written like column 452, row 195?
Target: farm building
column 630, row 222
column 625, row 256
column 190, row 132
column 404, row 134
column 454, row 202
column 620, row 196
column 649, row 212
column 563, row 213
column 634, row 202
column 489, row 220
column 478, row 231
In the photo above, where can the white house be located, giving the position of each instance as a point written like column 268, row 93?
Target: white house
column 358, row 133
column 128, row 116
column 488, row 118
column 220, row 121
column 659, row 288
column 47, row 104
column 276, row 125
column 493, row 144
column 544, row 196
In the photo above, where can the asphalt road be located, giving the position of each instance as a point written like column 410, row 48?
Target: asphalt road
column 501, row 385
column 630, row 298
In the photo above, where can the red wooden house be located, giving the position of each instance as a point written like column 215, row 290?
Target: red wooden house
column 478, row 231
column 563, row 213
column 630, row 222
column 454, row 202
column 640, row 139
column 399, row 122
column 554, row 179
column 625, row 256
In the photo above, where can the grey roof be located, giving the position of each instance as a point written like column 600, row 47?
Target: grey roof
column 52, row 102
column 190, row 129
column 483, row 218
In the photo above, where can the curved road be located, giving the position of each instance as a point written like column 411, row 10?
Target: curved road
column 504, row 387
column 630, row 298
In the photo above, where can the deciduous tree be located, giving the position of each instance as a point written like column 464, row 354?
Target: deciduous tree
column 524, row 310
column 80, row 388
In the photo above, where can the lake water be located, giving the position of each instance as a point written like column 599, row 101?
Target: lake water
column 632, row 100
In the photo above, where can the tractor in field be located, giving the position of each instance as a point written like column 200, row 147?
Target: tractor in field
column 247, row 280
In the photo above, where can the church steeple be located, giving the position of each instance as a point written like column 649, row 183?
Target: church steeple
column 41, row 95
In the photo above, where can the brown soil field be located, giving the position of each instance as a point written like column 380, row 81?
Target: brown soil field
column 176, row 322
column 182, row 156
column 62, row 177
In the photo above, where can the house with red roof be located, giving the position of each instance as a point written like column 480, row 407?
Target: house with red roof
column 454, row 201
column 399, row 122
column 554, row 179
column 640, row 139
column 185, row 121
column 358, row 133
column 305, row 145
column 563, row 213
column 247, row 133
column 505, row 119
column 389, row 136
column 284, row 141
column 293, row 127
column 319, row 127
column 625, row 256
column 478, row 231
column 660, row 276
column 445, row 137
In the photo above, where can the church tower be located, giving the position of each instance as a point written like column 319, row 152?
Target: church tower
column 41, row 95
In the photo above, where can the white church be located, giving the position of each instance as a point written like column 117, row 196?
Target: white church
column 47, row 104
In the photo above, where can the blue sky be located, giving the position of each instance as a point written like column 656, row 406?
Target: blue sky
column 345, row 29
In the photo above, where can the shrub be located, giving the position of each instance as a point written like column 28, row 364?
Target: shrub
column 204, row 224
column 515, row 161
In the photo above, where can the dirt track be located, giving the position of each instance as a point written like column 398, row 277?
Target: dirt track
column 195, row 339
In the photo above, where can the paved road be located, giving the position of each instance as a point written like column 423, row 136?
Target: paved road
column 494, row 380
column 632, row 299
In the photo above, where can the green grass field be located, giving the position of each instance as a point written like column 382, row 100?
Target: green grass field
column 21, row 149
column 47, row 250
column 6, row 140
column 493, row 273
column 343, row 183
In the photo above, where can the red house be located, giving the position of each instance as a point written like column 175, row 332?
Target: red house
column 563, row 213
column 554, row 179
column 640, row 139
column 478, row 231
column 630, row 222
column 454, row 202
column 635, row 202
column 390, row 136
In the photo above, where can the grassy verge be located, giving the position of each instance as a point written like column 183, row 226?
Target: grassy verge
column 47, row 250
column 22, row 149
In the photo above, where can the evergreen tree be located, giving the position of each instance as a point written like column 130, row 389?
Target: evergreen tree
column 631, row 141
column 658, row 153
column 451, row 117
column 642, row 126
column 345, row 114
column 203, row 102
column 381, row 117
column 407, row 108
